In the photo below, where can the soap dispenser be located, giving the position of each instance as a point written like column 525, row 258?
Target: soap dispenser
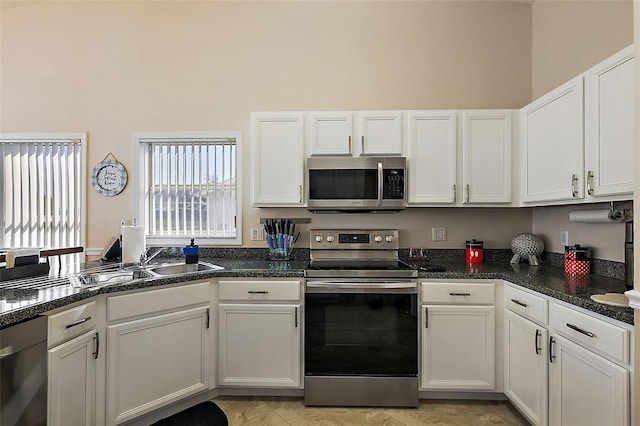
column 191, row 253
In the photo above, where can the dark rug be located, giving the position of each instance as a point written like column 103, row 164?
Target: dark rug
column 204, row 414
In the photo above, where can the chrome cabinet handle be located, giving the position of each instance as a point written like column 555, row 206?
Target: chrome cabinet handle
column 517, row 302
column 590, row 182
column 538, row 334
column 208, row 319
column 296, row 317
column 426, row 317
column 551, row 356
column 459, row 294
column 350, row 145
column 455, row 196
column 579, row 330
column 80, row 321
column 466, row 193
column 96, row 340
column 257, row 292
column 363, row 144
column 574, row 184
column 300, row 193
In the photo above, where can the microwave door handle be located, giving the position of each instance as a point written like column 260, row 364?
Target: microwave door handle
column 380, row 182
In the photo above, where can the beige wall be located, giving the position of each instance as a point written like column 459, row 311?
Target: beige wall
column 569, row 37
column 113, row 68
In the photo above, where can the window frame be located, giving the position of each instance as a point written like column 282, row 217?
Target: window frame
column 26, row 137
column 140, row 197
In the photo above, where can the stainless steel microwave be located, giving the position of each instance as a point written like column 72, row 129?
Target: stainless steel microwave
column 356, row 184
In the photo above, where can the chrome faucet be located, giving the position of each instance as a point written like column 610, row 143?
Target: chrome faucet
column 145, row 259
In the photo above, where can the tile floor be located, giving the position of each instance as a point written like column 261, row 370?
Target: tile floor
column 270, row 411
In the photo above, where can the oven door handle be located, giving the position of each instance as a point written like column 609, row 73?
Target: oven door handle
column 365, row 285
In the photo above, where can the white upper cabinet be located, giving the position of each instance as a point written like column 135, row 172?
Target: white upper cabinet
column 431, row 157
column 278, row 158
column 331, row 133
column 486, row 156
column 609, row 125
column 552, row 145
column 380, row 132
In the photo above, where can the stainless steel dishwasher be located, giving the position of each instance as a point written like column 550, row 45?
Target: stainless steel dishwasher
column 23, row 374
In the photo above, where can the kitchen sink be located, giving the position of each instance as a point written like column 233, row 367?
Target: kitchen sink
column 182, row 268
column 96, row 279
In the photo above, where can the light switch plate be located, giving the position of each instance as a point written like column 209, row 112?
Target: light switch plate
column 438, row 234
column 257, row 234
column 564, row 238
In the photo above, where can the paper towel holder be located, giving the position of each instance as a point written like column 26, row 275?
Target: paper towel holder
column 612, row 215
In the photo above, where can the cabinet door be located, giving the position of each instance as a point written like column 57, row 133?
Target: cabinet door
column 432, row 157
column 525, row 367
column 553, row 146
column 154, row 361
column 259, row 345
column 609, row 126
column 486, row 156
column 584, row 388
column 458, row 347
column 381, row 132
column 278, row 159
column 72, row 381
column 331, row 133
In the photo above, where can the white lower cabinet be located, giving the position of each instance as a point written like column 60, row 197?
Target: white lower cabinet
column 525, row 373
column 74, row 347
column 585, row 388
column 259, row 333
column 157, row 349
column 72, row 381
column 576, row 372
column 458, row 336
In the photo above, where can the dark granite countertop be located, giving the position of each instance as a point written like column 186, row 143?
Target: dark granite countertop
column 19, row 304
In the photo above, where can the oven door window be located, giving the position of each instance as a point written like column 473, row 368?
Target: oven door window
column 361, row 334
column 343, row 184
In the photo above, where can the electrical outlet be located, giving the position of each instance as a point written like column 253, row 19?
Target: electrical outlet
column 257, row 234
column 438, row 234
column 564, row 238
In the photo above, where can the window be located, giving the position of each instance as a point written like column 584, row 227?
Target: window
column 189, row 188
column 42, row 189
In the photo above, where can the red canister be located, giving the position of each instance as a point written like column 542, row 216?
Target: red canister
column 474, row 252
column 577, row 260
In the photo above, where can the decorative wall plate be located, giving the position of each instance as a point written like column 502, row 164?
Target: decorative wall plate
column 109, row 177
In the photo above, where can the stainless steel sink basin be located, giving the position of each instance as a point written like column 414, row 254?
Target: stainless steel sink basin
column 96, row 279
column 182, row 268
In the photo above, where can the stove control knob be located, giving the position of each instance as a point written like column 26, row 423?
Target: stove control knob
column 388, row 238
column 318, row 238
column 330, row 238
column 377, row 238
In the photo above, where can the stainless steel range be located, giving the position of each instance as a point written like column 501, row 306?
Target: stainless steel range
column 361, row 321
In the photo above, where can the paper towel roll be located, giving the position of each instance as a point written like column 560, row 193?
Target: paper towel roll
column 133, row 244
column 596, row 216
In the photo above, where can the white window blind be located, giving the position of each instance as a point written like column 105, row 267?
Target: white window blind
column 190, row 187
column 42, row 191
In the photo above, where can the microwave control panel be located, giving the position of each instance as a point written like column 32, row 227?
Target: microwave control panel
column 393, row 184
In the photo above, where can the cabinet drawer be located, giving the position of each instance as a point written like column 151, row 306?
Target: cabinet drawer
column 71, row 323
column 151, row 301
column 259, row 290
column 528, row 305
column 608, row 339
column 458, row 293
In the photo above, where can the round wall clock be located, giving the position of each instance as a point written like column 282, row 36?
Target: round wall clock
column 109, row 177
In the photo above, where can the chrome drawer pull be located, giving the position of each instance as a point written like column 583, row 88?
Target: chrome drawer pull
column 538, row 334
column 80, row 321
column 579, row 330
column 258, row 292
column 459, row 294
column 517, row 302
column 551, row 355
